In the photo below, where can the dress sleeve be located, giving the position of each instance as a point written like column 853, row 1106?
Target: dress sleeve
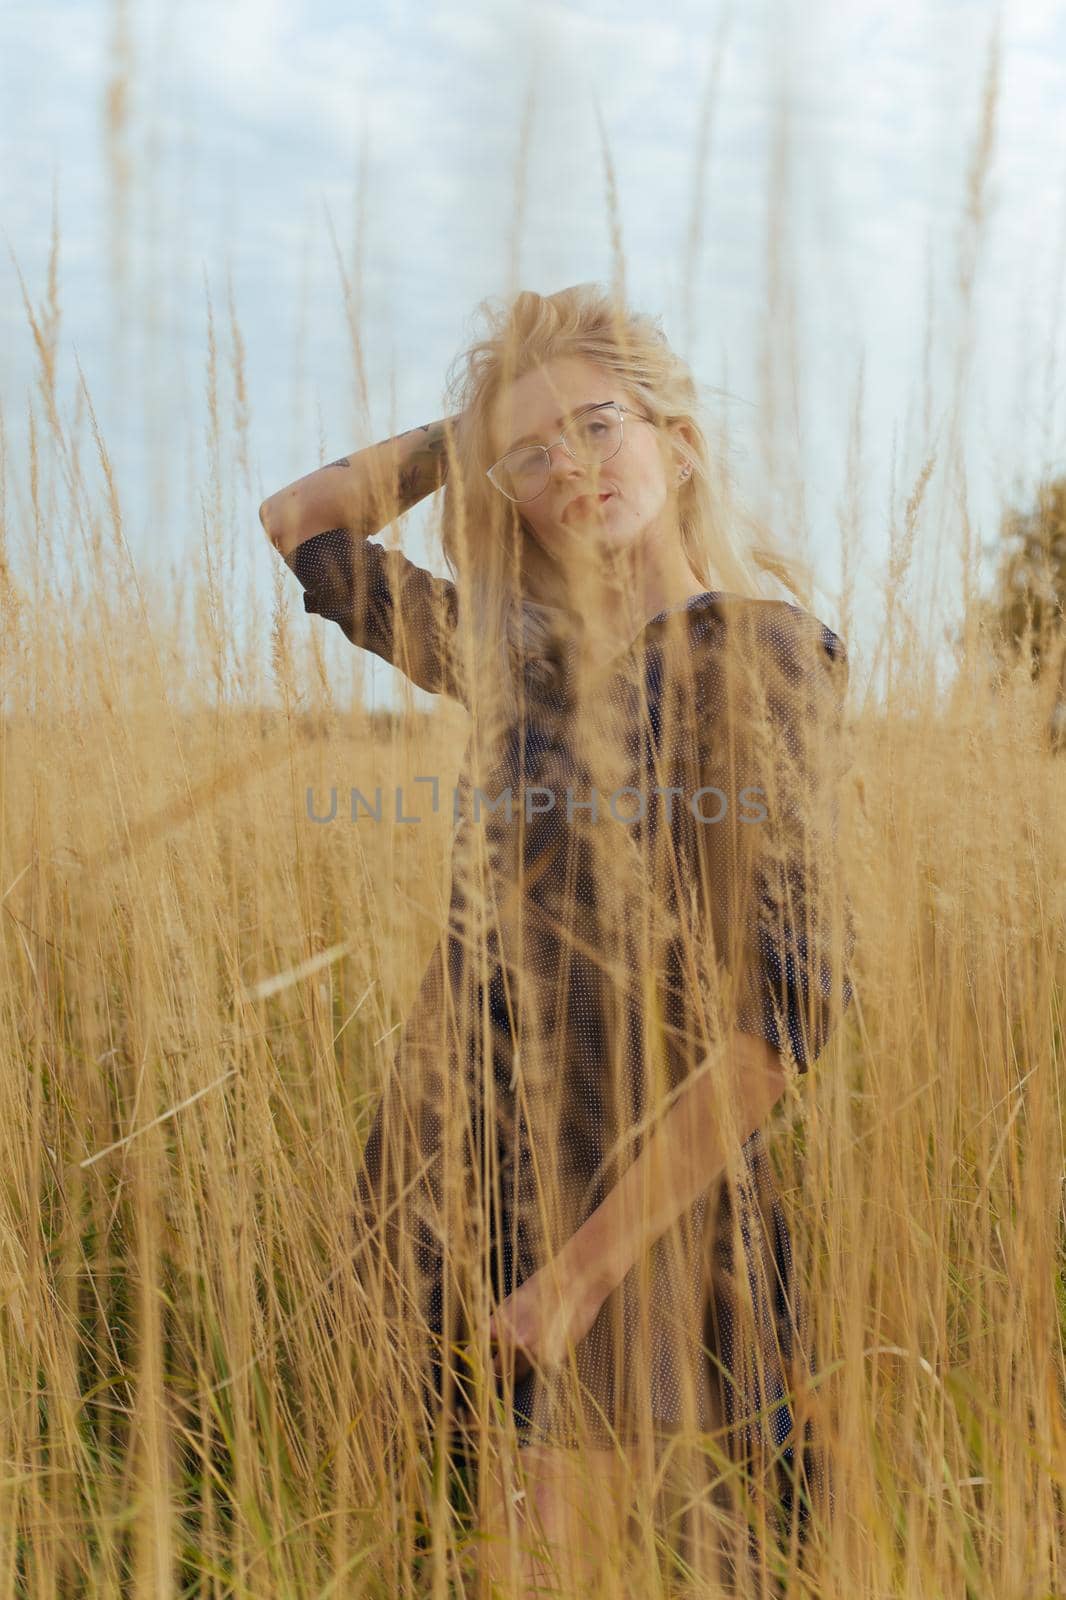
column 384, row 603
column 781, row 739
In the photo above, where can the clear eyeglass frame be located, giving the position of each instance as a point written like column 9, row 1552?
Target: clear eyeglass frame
column 601, row 405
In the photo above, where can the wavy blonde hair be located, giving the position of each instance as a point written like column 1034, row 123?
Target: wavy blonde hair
column 510, row 589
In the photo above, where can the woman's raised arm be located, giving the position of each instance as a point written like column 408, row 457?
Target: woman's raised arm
column 360, row 492
column 321, row 525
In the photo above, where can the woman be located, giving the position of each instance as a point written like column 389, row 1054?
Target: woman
column 644, row 935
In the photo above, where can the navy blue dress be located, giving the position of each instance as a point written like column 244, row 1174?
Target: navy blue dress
column 554, row 1014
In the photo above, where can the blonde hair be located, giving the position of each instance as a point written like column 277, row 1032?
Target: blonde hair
column 509, row 588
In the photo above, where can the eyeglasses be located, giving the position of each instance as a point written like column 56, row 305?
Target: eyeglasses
column 595, row 434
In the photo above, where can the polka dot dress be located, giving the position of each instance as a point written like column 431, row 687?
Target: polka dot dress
column 593, row 956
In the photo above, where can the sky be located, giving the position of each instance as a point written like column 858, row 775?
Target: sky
column 796, row 200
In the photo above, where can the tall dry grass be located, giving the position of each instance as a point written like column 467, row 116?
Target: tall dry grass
column 201, row 994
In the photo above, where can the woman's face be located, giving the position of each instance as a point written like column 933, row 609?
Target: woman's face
column 569, row 512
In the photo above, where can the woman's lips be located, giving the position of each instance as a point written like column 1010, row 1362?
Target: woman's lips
column 586, row 503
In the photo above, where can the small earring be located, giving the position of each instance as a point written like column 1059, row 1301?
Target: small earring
column 683, row 474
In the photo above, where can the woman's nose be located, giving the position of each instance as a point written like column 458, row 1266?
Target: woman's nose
column 563, row 465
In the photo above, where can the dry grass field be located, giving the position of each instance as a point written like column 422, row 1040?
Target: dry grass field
column 201, row 990
column 178, row 1149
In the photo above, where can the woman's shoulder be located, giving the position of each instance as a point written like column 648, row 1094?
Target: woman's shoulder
column 782, row 629
column 773, row 654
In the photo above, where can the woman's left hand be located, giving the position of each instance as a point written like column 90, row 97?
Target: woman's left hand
column 547, row 1313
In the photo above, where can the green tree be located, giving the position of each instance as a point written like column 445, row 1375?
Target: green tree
column 1024, row 617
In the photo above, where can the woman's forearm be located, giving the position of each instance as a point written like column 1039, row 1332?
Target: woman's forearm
column 680, row 1158
column 361, row 492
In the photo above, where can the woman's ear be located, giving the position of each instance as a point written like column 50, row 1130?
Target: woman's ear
column 685, row 444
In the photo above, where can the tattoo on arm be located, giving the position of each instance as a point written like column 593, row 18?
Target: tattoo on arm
column 410, row 482
column 423, row 461
column 343, row 462
column 433, row 442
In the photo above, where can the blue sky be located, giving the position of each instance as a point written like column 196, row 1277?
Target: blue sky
column 260, row 139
